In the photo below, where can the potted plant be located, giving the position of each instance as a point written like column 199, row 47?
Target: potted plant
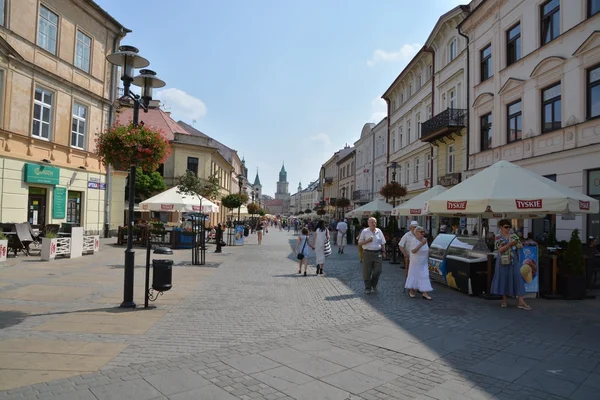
column 49, row 246
column 3, row 246
column 571, row 283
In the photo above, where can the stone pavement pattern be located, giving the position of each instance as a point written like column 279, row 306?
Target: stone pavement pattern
column 254, row 329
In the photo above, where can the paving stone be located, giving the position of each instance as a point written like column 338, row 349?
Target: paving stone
column 135, row 390
column 251, row 363
column 209, row 392
column 353, row 381
column 177, row 382
column 316, row 390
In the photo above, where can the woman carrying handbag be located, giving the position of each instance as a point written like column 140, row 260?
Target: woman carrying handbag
column 302, row 255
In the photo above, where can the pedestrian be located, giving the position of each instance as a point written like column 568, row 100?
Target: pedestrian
column 260, row 224
column 321, row 236
column 302, row 255
column 402, row 245
column 418, row 274
column 373, row 242
column 507, row 276
column 342, row 228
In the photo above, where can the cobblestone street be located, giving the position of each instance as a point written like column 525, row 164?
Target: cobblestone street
column 255, row 329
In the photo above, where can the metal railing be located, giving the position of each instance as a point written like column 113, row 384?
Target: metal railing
column 450, row 118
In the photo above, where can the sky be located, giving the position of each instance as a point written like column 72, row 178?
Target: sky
column 280, row 81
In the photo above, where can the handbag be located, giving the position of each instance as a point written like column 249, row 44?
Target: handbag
column 327, row 248
column 300, row 255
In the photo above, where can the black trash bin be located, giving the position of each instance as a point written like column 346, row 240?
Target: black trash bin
column 162, row 275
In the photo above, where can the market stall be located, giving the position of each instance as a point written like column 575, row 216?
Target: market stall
column 371, row 208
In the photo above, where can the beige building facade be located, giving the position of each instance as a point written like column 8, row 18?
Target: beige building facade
column 540, row 105
column 347, row 174
column 56, row 91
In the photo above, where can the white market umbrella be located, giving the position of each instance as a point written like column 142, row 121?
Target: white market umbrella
column 416, row 205
column 170, row 200
column 507, row 188
column 371, row 208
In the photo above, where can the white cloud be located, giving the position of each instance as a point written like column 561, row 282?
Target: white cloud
column 321, row 138
column 182, row 105
column 378, row 110
column 405, row 53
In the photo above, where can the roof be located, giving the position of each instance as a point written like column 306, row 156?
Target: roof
column 256, row 180
column 155, row 117
column 107, row 15
column 282, row 169
column 226, row 151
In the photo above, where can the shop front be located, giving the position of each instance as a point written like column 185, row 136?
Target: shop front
column 41, row 180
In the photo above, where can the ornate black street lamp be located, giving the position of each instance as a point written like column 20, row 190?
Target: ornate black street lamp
column 128, row 59
column 394, row 165
column 240, row 185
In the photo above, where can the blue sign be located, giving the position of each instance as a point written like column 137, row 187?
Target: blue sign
column 239, row 235
column 96, row 185
column 437, row 270
column 529, row 268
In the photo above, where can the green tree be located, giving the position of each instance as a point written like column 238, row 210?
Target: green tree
column 232, row 201
column 192, row 185
column 146, row 185
column 572, row 259
column 253, row 208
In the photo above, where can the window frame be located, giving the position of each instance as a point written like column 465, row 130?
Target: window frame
column 485, row 128
column 416, row 171
column 400, row 135
column 552, row 101
column 407, row 172
column 418, row 121
column 515, row 116
column 197, row 165
column 451, row 162
column 550, row 17
column 3, row 7
column 43, row 105
column 408, row 131
column 75, row 56
column 39, row 30
column 428, row 166
column 589, row 86
column 517, row 46
column 79, row 119
column 452, row 45
column 452, row 99
column 487, row 61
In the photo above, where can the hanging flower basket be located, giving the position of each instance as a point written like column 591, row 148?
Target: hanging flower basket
column 124, row 145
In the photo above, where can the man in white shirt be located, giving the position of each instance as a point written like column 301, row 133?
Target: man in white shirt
column 402, row 244
column 373, row 243
column 342, row 228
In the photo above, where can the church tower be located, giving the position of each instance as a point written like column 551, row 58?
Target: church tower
column 299, row 186
column 257, row 187
column 282, row 186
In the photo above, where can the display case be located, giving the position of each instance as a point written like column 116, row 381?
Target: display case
column 459, row 262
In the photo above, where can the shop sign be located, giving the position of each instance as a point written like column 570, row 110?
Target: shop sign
column 449, row 179
column 528, row 204
column 59, row 203
column 594, row 183
column 42, row 174
column 96, row 185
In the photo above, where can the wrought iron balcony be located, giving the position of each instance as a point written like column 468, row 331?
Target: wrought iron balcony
column 445, row 123
column 332, row 201
column 328, row 180
column 361, row 196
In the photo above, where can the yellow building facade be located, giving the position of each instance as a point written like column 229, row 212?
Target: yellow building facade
column 56, row 95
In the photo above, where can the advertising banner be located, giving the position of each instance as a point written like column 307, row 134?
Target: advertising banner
column 529, row 267
column 239, row 235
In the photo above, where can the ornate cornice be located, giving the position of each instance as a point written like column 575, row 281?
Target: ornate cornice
column 487, row 10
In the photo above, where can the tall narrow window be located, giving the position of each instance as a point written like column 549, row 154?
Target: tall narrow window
column 593, row 92
column 452, row 50
column 515, row 121
column 48, row 30
column 453, row 102
column 409, row 90
column 394, row 144
column 83, row 51
column 551, row 108
column 401, row 98
column 407, row 173
column 42, row 113
column 401, row 138
column 486, row 132
column 400, row 174
column 593, row 7
column 486, row 63
column 428, row 166
column 451, row 159
column 429, row 112
column 419, row 81
column 79, row 126
column 416, row 178
column 513, row 44
column 550, row 20
column 418, row 125
column 3, row 12
column 410, row 139
column 192, row 165
column 430, row 70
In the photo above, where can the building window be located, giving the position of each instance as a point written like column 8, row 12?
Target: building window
column 416, row 178
column 430, row 71
column 409, row 90
column 394, row 144
column 515, row 122
column 593, row 7
column 418, row 125
column 399, row 174
column 550, row 20
column 486, row 63
column 486, row 132
column 452, row 50
column 48, row 30
column 42, row 113
column 513, row 44
column 408, row 132
column 192, row 165
column 407, row 172
column 83, row 51
column 3, row 12
column 451, row 159
column 593, row 92
column 419, row 81
column 551, row 108
column 452, row 96
column 428, row 166
column 401, row 98
column 78, row 127
column 429, row 112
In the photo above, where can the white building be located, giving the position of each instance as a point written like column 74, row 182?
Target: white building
column 539, row 104
column 380, row 138
column 364, row 166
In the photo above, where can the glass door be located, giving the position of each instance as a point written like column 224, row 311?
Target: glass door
column 36, row 207
column 74, row 208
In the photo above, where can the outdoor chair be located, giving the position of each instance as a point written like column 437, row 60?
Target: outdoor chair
column 23, row 239
column 37, row 237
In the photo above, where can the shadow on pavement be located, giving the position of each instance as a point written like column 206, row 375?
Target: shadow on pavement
column 11, row 318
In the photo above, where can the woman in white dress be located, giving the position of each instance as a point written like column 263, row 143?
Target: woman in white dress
column 320, row 237
column 418, row 273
